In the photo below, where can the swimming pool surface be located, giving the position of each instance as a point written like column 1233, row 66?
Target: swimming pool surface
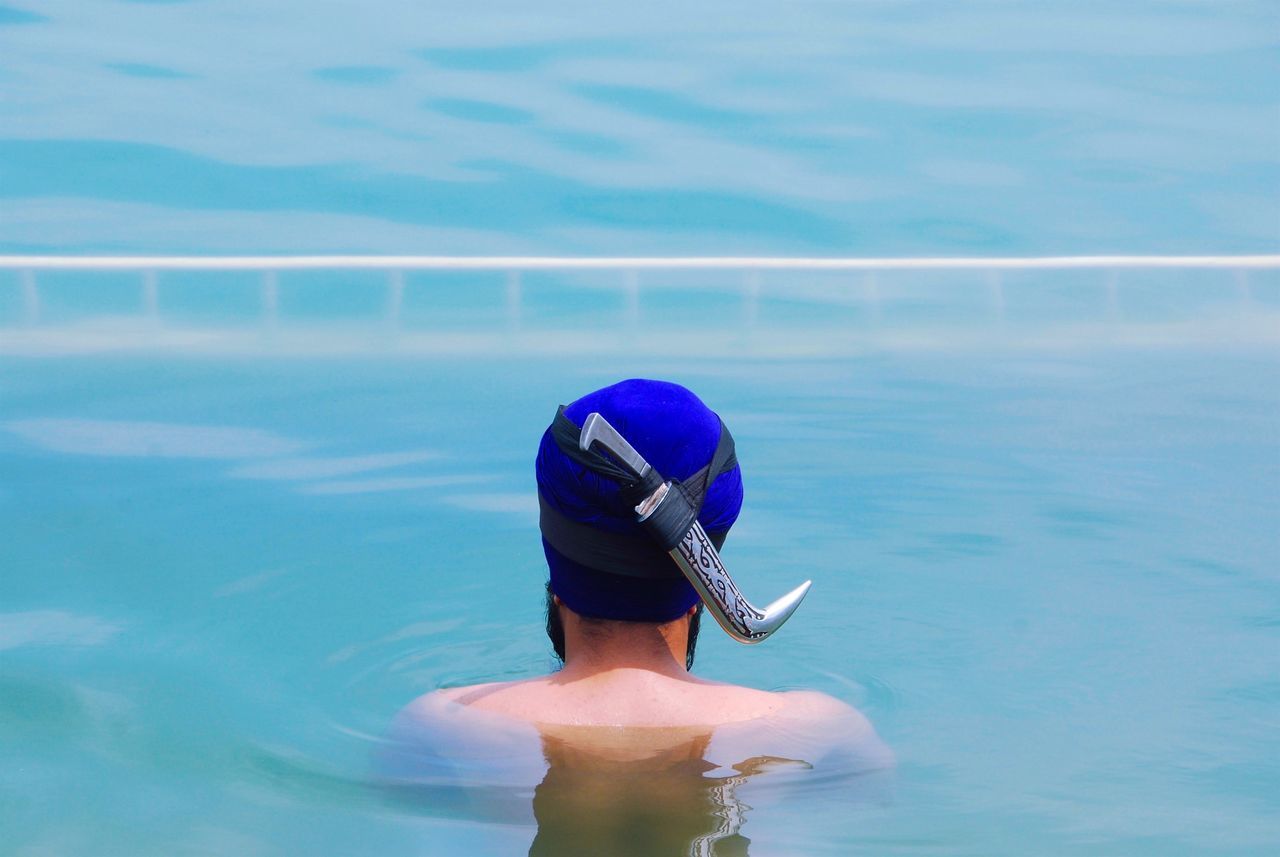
column 1041, row 510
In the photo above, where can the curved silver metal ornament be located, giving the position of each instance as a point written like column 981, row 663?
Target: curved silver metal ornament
column 698, row 558
column 695, row 555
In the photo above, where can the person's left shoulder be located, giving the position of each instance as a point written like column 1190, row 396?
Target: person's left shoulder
column 437, row 708
column 467, row 694
column 438, row 731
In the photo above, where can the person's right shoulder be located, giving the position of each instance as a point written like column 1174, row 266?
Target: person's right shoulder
column 815, row 705
column 851, row 731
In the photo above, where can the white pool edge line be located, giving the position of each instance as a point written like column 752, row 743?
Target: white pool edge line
column 622, row 263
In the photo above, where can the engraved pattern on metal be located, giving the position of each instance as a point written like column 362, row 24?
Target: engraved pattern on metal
column 695, row 554
column 700, row 562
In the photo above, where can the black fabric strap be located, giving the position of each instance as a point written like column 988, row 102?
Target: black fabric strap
column 724, row 459
column 628, row 554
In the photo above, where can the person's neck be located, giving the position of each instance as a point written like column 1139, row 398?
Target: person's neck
column 596, row 649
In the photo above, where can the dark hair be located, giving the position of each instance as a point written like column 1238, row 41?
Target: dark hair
column 555, row 630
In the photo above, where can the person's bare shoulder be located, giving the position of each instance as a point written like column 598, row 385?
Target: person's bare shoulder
column 431, row 736
column 430, row 704
column 814, row 705
column 510, row 698
column 466, row 694
column 850, row 731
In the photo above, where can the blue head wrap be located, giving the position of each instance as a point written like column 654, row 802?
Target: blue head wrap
column 677, row 434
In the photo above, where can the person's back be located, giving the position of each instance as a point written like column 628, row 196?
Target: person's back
column 624, row 725
column 629, row 674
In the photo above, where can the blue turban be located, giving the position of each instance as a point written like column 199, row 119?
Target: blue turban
column 678, row 435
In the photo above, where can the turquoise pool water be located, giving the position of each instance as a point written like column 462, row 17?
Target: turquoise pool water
column 1048, row 578
column 865, row 128
column 1041, row 510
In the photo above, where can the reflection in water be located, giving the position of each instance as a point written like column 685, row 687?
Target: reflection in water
column 638, row 791
column 624, row 790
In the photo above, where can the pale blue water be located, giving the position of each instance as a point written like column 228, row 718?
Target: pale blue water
column 879, row 128
column 1042, row 512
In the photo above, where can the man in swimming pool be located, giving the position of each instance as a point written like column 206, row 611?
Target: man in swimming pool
column 624, row 751
column 622, row 614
